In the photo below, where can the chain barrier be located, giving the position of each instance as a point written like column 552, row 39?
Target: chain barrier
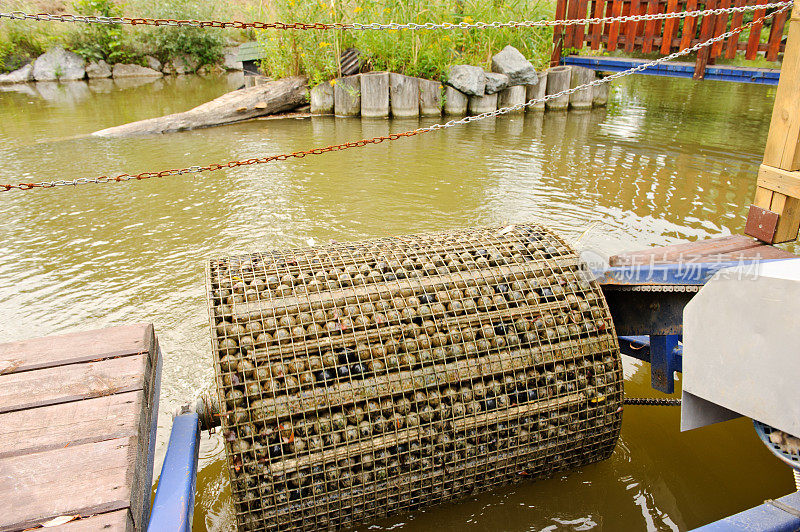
column 651, row 401
column 236, row 24
column 394, row 136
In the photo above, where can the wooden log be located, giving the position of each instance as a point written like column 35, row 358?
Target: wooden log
column 375, row 94
column 404, row 94
column 347, row 96
column 482, row 104
column 581, row 99
column 455, row 102
column 275, row 96
column 430, row 97
column 321, row 98
column 600, row 95
column 558, row 80
column 514, row 95
column 537, row 91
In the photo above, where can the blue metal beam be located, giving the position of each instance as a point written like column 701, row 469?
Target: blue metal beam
column 663, row 352
column 762, row 76
column 173, row 506
column 772, row 516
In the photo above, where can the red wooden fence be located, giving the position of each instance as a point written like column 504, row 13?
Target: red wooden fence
column 666, row 36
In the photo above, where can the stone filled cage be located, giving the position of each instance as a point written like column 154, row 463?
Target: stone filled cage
column 361, row 379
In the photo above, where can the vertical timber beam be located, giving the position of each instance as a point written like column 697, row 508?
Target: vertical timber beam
column 778, row 192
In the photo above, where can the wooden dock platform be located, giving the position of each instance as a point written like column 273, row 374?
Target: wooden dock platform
column 734, row 248
column 78, row 417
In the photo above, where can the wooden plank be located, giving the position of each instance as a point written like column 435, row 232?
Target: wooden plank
column 65, row 349
column 596, row 30
column 788, row 209
column 32, row 389
column 783, row 148
column 689, row 26
column 775, row 36
column 630, row 29
column 755, row 32
column 720, row 24
column 651, row 27
column 763, row 198
column 580, row 29
column 733, row 41
column 779, row 180
column 706, row 28
column 70, row 424
column 670, row 27
column 558, row 33
column 572, row 14
column 83, row 480
column 118, row 520
column 733, row 248
column 613, row 33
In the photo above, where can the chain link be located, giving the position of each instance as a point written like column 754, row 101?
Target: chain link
column 236, row 24
column 651, row 401
column 393, row 136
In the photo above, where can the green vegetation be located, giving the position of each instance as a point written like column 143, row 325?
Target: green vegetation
column 21, row 41
column 424, row 53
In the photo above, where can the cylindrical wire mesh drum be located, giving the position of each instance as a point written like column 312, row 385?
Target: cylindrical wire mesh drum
column 358, row 380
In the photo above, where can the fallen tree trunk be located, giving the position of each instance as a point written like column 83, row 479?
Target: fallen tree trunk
column 243, row 104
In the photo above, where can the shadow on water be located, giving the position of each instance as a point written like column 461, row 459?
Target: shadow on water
column 668, row 160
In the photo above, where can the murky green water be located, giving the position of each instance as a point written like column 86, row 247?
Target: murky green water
column 669, row 160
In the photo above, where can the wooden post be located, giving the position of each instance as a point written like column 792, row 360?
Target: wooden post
column 779, row 176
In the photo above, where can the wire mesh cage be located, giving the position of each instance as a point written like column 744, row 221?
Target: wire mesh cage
column 363, row 379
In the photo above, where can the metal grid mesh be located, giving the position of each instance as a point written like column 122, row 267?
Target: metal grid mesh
column 362, row 379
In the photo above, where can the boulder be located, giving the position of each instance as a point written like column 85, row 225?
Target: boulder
column 322, row 99
column 21, row 75
column 134, row 71
column 467, row 79
column 185, row 64
column 495, row 82
column 230, row 58
column 512, row 63
column 152, row 62
column 58, row 64
column 167, row 68
column 98, row 69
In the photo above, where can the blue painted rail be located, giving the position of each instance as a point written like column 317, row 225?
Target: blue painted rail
column 173, row 506
column 762, row 76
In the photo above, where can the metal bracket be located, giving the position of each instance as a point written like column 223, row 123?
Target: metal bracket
column 663, row 352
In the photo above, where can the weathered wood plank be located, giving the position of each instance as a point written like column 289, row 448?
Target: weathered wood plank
column 689, row 26
column 70, row 424
column 597, row 29
column 733, row 41
column 613, row 33
column 630, row 30
column 31, row 389
column 73, row 348
column 651, row 27
column 755, row 32
column 775, row 36
column 82, row 480
column 728, row 248
column 670, row 27
column 720, row 24
column 111, row 521
column 706, row 29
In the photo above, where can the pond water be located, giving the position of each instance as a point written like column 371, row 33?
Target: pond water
column 668, row 160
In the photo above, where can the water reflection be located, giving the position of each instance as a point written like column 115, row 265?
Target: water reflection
column 666, row 161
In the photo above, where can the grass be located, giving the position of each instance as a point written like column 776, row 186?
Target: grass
column 423, row 53
column 22, row 41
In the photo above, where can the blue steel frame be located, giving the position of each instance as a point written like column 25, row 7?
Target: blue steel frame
column 768, row 516
column 761, row 76
column 173, row 506
column 651, row 323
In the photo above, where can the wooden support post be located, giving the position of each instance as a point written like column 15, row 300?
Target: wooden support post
column 779, row 176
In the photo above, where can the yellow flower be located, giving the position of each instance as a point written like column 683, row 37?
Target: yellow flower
column 324, row 44
column 357, row 10
column 303, row 54
column 387, row 10
column 468, row 20
column 333, row 82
